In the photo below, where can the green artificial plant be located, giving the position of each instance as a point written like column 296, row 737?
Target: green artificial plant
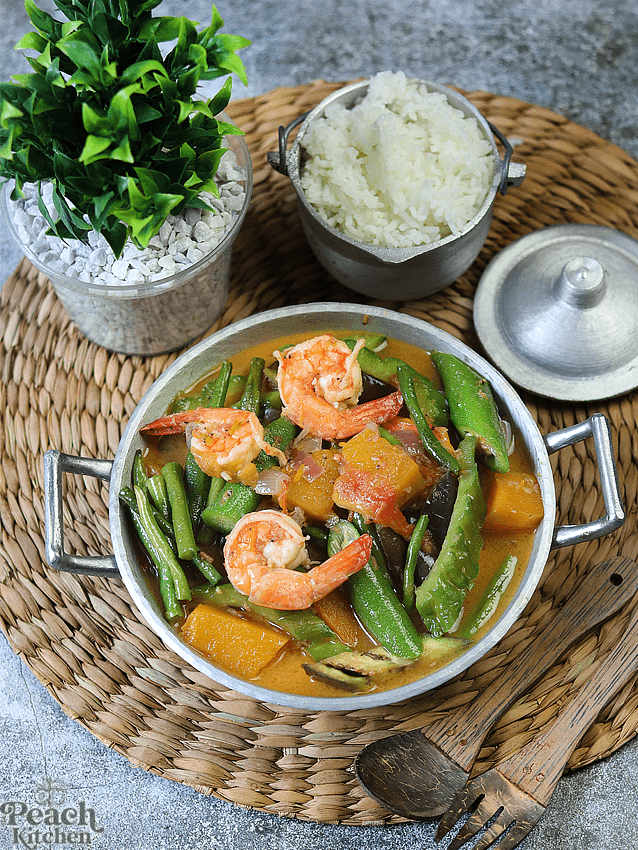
column 112, row 121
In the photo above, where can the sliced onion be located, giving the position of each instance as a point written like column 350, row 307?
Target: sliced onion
column 311, row 470
column 508, row 433
column 271, row 482
column 409, row 439
column 307, row 442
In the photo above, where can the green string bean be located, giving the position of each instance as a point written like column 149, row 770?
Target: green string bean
column 173, row 474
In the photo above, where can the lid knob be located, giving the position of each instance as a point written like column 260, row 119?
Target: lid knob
column 581, row 282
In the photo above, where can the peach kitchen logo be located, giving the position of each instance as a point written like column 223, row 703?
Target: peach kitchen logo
column 47, row 820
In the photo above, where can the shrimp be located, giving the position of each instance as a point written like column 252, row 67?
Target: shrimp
column 223, row 441
column 320, row 384
column 261, row 555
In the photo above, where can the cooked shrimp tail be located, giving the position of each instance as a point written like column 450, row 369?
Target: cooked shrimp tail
column 223, row 441
column 263, row 551
column 175, row 423
column 320, row 383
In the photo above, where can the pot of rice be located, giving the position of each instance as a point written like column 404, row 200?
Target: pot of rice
column 396, row 180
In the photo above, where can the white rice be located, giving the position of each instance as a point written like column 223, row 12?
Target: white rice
column 402, row 168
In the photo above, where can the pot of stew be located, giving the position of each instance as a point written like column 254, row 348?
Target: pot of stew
column 326, row 509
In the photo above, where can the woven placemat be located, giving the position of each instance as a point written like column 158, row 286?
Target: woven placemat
column 86, row 643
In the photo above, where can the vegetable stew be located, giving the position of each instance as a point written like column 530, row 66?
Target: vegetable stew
column 335, row 514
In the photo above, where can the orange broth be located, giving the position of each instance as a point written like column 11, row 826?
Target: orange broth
column 286, row 673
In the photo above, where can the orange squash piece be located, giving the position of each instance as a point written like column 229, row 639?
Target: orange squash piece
column 371, row 453
column 241, row 646
column 315, row 497
column 336, row 612
column 514, row 502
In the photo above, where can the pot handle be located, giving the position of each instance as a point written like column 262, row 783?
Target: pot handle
column 512, row 173
column 277, row 159
column 597, row 426
column 55, row 463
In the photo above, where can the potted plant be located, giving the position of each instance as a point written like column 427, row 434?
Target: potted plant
column 114, row 157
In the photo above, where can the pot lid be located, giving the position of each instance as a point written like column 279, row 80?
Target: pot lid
column 557, row 312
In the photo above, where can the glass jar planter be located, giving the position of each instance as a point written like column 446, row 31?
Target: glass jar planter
column 156, row 316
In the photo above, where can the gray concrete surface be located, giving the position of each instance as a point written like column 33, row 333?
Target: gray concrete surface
column 577, row 57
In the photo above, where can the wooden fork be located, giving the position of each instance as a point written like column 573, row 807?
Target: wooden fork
column 514, row 794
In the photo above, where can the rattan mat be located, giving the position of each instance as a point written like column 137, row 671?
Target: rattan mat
column 81, row 636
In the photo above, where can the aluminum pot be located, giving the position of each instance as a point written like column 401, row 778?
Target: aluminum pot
column 311, row 319
column 393, row 273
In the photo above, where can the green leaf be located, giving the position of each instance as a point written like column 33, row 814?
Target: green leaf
column 216, row 23
column 116, row 234
column 95, row 121
column 78, row 48
column 161, row 29
column 123, row 152
column 9, row 111
column 101, row 210
column 43, row 21
column 121, row 113
column 140, row 69
column 94, row 148
column 32, row 41
column 233, row 63
column 221, row 100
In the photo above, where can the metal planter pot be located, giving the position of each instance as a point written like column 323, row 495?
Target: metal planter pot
column 393, row 273
column 311, row 319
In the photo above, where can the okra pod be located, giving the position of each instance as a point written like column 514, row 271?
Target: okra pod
column 410, row 561
column 473, row 409
column 212, row 394
column 227, row 504
column 440, row 597
column 489, row 600
column 374, row 600
column 251, row 397
column 279, row 434
column 160, row 548
column 431, row 402
column 316, row 533
column 182, row 526
column 305, row 626
column 426, row 435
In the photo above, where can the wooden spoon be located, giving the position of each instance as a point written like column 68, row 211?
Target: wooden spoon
column 417, row 774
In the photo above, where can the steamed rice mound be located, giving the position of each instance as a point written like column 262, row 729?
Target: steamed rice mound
column 402, row 168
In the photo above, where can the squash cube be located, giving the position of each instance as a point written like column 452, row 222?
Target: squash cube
column 514, row 502
column 315, row 497
column 369, row 452
column 241, row 646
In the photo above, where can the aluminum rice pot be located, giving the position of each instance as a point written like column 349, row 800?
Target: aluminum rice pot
column 393, row 273
column 312, row 319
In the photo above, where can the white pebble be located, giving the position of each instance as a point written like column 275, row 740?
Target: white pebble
column 194, row 255
column 98, row 257
column 181, row 241
column 167, row 262
column 120, row 268
column 192, row 216
column 201, row 231
column 135, row 276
